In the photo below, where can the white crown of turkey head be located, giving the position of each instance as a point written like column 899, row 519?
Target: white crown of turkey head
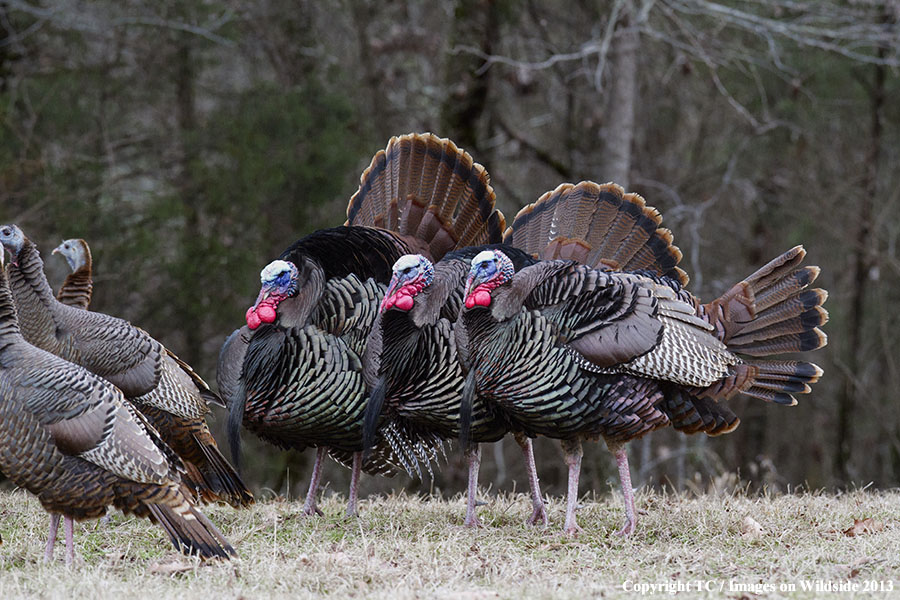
column 412, row 274
column 75, row 252
column 13, row 239
column 279, row 281
column 406, row 262
column 490, row 268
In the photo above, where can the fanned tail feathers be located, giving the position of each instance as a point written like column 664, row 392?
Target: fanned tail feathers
column 771, row 312
column 426, row 189
column 597, row 225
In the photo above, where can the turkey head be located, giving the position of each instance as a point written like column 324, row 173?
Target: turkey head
column 288, row 293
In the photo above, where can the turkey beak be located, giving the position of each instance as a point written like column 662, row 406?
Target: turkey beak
column 472, row 282
column 263, row 294
column 390, row 291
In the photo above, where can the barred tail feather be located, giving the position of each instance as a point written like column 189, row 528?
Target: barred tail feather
column 598, row 225
column 426, row 189
column 221, row 477
column 770, row 380
column 694, row 414
column 771, row 312
column 191, row 532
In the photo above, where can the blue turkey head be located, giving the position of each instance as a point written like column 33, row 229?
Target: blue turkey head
column 279, row 280
column 411, row 274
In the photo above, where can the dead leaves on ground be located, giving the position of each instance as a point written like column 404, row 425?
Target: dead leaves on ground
column 864, row 526
column 751, row 529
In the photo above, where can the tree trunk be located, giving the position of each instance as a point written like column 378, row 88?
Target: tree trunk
column 617, row 135
column 475, row 24
column 186, row 114
column 862, row 264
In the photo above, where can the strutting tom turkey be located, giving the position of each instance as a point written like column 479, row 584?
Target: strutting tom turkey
column 616, row 347
column 69, row 437
column 178, row 405
column 414, row 372
column 294, row 373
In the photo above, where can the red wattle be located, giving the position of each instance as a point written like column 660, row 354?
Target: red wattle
column 253, row 320
column 481, row 298
column 470, row 301
column 404, row 302
column 266, row 313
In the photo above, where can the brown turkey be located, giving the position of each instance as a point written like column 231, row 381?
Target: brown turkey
column 177, row 407
column 293, row 374
column 109, row 347
column 574, row 352
column 78, row 287
column 69, row 437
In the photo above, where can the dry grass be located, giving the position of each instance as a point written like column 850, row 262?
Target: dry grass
column 405, row 547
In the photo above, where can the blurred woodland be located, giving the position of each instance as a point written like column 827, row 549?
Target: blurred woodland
column 191, row 142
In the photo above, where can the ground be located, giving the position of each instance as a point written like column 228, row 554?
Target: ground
column 731, row 546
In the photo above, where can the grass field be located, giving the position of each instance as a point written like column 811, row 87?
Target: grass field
column 407, row 547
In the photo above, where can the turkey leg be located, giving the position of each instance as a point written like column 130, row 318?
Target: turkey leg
column 621, row 455
column 51, row 537
column 473, row 458
column 309, row 507
column 69, row 529
column 539, row 512
column 354, row 484
column 574, row 452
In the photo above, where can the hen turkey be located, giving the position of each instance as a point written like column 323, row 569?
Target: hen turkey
column 177, row 407
column 109, row 347
column 78, row 287
column 293, row 375
column 574, row 352
column 69, row 437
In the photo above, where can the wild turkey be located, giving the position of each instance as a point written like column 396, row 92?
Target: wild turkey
column 78, row 287
column 411, row 366
column 70, row 438
column 294, row 375
column 175, row 403
column 572, row 352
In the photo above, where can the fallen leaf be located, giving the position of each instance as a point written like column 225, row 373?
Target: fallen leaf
column 863, row 526
column 169, row 568
column 857, row 565
column 750, row 529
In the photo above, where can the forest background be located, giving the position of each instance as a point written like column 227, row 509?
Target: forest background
column 191, row 142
